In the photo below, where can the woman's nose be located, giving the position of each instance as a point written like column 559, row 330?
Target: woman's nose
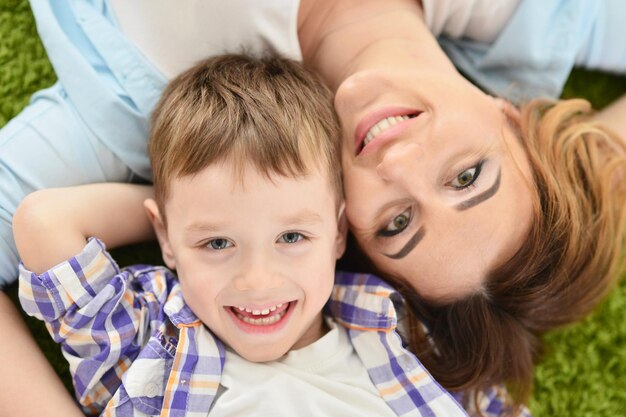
column 399, row 162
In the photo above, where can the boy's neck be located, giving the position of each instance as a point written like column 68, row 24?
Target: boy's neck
column 315, row 332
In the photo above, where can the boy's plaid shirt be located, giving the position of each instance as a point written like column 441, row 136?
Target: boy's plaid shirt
column 136, row 349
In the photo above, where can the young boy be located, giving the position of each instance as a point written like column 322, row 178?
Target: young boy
column 248, row 211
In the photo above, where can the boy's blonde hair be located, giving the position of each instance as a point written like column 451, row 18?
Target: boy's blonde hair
column 268, row 113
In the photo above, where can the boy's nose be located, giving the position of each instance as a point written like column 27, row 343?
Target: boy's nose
column 258, row 274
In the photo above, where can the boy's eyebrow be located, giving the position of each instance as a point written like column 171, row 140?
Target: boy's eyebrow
column 302, row 217
column 202, row 226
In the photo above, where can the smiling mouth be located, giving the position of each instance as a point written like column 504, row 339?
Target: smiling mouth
column 262, row 317
column 382, row 126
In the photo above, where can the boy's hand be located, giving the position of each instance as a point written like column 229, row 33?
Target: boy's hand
column 50, row 226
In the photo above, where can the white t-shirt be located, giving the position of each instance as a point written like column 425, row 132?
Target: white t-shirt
column 325, row 378
column 479, row 20
column 174, row 35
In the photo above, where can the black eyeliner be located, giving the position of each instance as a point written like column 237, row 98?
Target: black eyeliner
column 389, row 233
column 478, row 168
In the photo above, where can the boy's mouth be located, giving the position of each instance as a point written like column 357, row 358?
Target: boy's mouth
column 266, row 316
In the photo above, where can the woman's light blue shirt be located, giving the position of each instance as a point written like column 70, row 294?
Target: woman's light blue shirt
column 541, row 43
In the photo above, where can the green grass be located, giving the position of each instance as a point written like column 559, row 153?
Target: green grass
column 584, row 371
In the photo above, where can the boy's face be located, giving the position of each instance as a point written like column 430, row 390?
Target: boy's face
column 255, row 259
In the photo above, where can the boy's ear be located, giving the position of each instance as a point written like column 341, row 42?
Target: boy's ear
column 342, row 232
column 152, row 209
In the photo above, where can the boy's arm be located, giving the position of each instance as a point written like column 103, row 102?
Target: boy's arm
column 52, row 225
column 81, row 283
column 101, row 316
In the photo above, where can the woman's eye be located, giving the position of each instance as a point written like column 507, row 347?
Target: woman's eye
column 467, row 177
column 291, row 237
column 396, row 225
column 219, row 244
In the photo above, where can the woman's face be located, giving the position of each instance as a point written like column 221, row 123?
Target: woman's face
column 437, row 184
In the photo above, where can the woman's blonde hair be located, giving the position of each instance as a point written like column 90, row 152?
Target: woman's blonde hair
column 569, row 262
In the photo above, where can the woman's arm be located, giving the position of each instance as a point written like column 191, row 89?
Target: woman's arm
column 614, row 117
column 53, row 225
column 26, row 374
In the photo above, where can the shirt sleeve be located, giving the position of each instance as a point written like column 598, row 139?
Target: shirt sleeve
column 100, row 315
column 605, row 48
column 533, row 54
column 492, row 402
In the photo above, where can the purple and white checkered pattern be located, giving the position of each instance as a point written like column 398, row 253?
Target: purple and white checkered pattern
column 136, row 349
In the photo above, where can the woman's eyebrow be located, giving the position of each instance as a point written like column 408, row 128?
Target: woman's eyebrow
column 408, row 247
column 419, row 235
column 464, row 205
column 471, row 202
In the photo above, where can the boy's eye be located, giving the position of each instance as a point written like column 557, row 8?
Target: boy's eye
column 397, row 224
column 467, row 177
column 291, row 237
column 219, row 244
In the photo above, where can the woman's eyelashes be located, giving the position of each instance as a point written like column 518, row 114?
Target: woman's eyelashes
column 397, row 224
column 466, row 178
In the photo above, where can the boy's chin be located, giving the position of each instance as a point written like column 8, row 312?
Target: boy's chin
column 262, row 355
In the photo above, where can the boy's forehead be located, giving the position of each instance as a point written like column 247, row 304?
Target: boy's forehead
column 240, row 178
column 248, row 185
column 214, row 196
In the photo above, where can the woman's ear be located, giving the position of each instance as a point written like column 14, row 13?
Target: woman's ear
column 152, row 210
column 510, row 111
column 342, row 232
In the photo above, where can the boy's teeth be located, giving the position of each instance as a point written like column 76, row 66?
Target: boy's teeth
column 262, row 321
column 383, row 125
column 263, row 312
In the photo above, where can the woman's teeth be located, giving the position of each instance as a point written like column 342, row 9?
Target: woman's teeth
column 383, row 125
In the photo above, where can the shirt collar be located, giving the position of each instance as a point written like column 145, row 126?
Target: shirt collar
column 178, row 311
column 364, row 301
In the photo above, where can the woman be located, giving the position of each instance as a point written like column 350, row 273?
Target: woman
column 93, row 122
column 498, row 225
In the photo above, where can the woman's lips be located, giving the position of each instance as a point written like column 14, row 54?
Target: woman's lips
column 373, row 119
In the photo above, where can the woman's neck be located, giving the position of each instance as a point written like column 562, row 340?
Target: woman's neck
column 341, row 37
